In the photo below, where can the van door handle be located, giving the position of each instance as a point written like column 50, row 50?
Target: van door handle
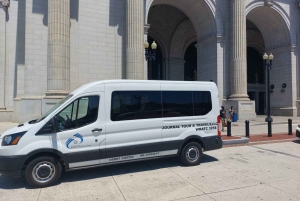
column 97, row 130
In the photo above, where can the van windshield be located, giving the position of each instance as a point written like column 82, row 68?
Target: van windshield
column 54, row 108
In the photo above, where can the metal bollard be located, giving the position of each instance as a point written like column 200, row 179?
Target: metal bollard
column 228, row 128
column 297, row 131
column 290, row 126
column 247, row 129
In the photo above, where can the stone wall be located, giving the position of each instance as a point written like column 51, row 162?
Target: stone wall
column 206, row 59
column 98, row 47
column 97, row 50
column 98, row 42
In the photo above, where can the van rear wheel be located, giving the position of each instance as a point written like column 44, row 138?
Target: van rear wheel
column 191, row 154
column 43, row 171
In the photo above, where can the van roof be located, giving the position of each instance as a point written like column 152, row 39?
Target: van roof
column 151, row 81
column 86, row 86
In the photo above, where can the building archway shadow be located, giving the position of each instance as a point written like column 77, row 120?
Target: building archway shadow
column 107, row 171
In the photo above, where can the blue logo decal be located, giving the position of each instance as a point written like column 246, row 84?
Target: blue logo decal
column 80, row 137
column 70, row 140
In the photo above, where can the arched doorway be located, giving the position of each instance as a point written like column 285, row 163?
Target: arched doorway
column 268, row 30
column 255, row 67
column 190, row 65
column 256, row 80
column 176, row 26
column 155, row 67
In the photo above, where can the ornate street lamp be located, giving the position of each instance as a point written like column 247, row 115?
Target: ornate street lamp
column 268, row 63
column 148, row 53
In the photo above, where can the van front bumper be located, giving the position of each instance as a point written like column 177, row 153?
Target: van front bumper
column 9, row 166
column 213, row 142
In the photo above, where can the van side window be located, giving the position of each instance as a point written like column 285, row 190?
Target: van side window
column 129, row 105
column 47, row 128
column 81, row 112
column 202, row 102
column 177, row 103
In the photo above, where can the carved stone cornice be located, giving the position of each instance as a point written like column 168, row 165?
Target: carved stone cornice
column 220, row 38
column 293, row 47
column 146, row 28
column 269, row 3
column 4, row 3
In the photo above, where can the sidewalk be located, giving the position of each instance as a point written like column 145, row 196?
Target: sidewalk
column 258, row 130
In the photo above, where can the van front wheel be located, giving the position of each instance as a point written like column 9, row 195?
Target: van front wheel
column 43, row 171
column 191, row 154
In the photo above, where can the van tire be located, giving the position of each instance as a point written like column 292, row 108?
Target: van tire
column 191, row 154
column 43, row 171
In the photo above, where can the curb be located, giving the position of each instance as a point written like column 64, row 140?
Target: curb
column 243, row 140
column 274, row 141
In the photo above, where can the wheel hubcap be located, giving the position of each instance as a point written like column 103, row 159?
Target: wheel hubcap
column 43, row 172
column 192, row 154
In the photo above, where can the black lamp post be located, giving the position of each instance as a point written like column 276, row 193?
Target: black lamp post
column 268, row 62
column 149, row 55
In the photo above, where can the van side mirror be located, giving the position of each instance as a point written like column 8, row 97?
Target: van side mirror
column 59, row 123
column 55, row 123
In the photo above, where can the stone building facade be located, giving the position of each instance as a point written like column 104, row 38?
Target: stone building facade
column 50, row 47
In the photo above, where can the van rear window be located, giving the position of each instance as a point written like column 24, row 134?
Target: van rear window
column 202, row 102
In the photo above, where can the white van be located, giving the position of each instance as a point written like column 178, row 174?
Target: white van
column 109, row 122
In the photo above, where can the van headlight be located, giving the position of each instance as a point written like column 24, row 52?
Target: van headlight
column 12, row 139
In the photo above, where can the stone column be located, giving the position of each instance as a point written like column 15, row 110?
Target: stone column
column 295, row 110
column 220, row 68
column 146, row 28
column 176, row 69
column 238, row 72
column 135, row 40
column 298, row 80
column 58, row 77
column 2, row 55
column 239, row 52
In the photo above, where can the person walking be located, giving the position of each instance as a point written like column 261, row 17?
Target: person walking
column 223, row 117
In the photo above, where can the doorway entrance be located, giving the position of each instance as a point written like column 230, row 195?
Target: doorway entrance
column 190, row 65
column 256, row 79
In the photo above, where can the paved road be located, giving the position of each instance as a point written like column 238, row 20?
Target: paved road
column 261, row 172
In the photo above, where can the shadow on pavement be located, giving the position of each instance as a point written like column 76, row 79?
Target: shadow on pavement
column 13, row 183
column 107, row 171
column 296, row 141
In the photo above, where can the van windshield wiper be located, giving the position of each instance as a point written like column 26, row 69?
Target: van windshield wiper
column 32, row 121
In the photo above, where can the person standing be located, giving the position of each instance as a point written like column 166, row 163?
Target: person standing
column 231, row 112
column 223, row 117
